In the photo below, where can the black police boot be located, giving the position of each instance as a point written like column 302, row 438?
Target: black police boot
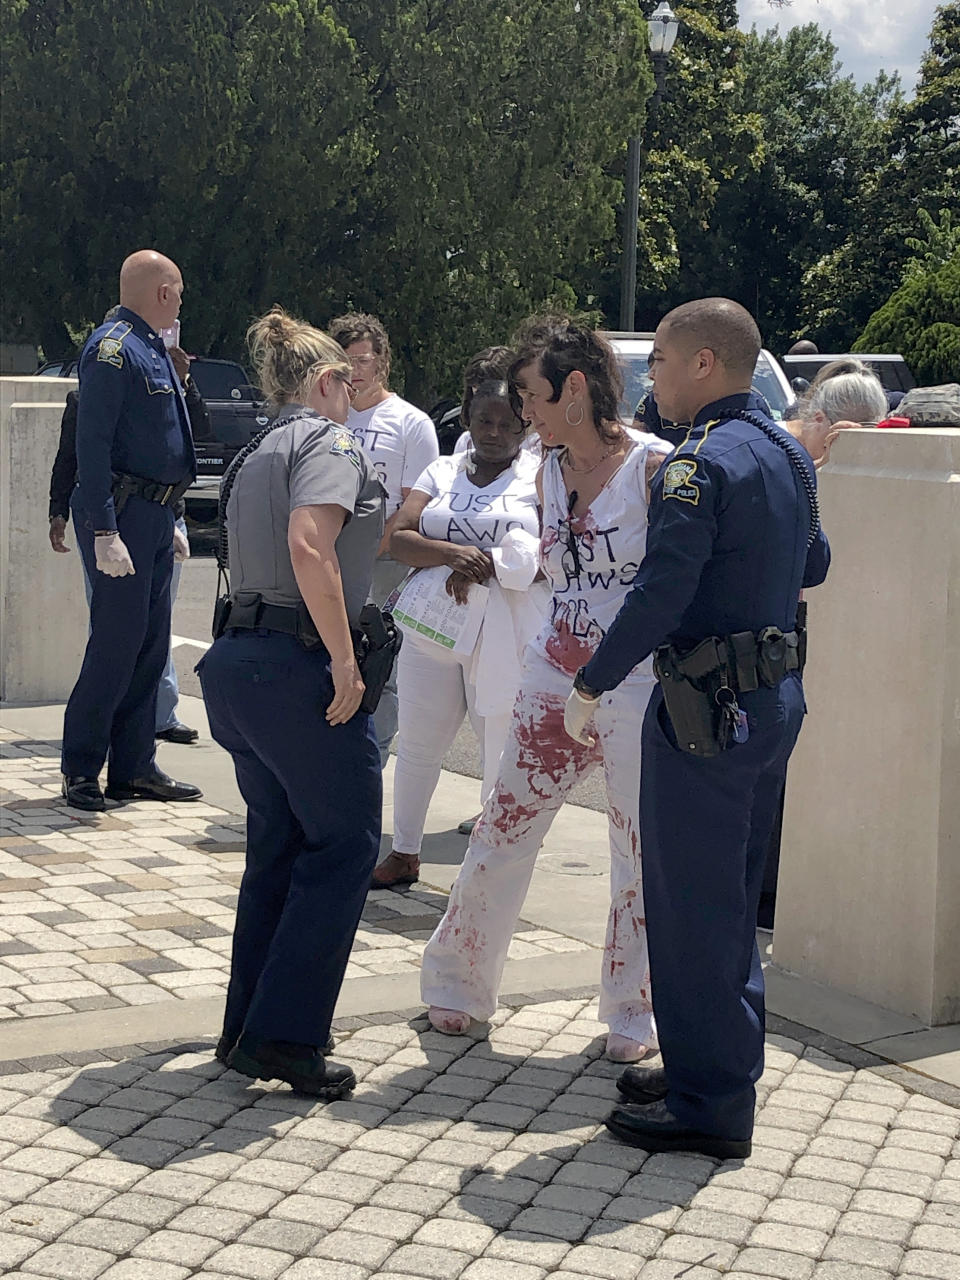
column 226, row 1043
column 302, row 1066
column 154, row 786
column 82, row 793
column 643, row 1084
column 655, row 1128
column 178, row 732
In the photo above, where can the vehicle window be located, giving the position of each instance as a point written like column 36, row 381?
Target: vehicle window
column 220, row 380
column 50, row 371
column 636, row 382
column 766, row 382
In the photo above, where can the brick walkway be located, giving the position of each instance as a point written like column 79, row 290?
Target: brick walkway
column 459, row 1157
column 135, row 905
column 479, row 1158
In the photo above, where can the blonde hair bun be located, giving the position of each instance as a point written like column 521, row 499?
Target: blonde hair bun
column 289, row 355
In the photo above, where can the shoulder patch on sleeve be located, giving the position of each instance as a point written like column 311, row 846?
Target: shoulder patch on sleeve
column 343, row 443
column 109, row 347
column 680, row 481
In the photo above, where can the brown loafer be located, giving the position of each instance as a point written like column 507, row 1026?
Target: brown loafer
column 395, row 869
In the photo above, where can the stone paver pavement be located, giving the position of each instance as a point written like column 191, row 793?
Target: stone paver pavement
column 135, row 906
column 477, row 1157
column 480, row 1157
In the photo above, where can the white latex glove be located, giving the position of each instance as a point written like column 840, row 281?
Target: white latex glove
column 181, row 547
column 577, row 714
column 113, row 558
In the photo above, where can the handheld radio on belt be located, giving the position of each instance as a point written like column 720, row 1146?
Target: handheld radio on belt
column 700, row 687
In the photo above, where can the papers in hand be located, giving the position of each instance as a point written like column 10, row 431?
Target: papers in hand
column 423, row 608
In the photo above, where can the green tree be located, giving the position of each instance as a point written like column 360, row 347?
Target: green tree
column 921, row 321
column 223, row 134
column 702, row 138
column 499, row 132
column 822, row 137
column 920, row 170
column 936, row 244
column 445, row 164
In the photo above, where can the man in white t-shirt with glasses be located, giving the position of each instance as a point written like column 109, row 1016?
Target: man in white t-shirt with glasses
column 401, row 441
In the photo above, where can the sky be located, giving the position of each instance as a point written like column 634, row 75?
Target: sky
column 870, row 35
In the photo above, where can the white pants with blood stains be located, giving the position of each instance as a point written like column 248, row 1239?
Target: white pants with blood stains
column 463, row 961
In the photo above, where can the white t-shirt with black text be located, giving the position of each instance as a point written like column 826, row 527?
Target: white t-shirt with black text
column 400, row 439
column 460, row 512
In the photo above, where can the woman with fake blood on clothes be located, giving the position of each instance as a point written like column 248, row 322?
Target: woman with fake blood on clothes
column 593, row 488
column 472, row 522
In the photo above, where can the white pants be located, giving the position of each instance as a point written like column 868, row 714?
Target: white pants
column 435, row 693
column 463, row 961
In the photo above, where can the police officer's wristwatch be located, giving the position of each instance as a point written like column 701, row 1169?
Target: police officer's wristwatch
column 584, row 690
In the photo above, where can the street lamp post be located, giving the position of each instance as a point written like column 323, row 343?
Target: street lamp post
column 663, row 27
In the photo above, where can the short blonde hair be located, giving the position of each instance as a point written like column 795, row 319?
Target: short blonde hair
column 289, row 356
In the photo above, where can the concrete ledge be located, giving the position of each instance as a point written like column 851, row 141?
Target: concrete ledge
column 848, row 1018
column 189, row 1019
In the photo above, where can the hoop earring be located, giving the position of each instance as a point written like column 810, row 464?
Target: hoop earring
column 566, row 414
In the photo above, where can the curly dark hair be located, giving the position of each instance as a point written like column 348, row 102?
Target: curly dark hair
column 492, row 364
column 563, row 345
column 357, row 326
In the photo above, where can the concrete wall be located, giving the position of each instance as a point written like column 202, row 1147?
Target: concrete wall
column 43, row 614
column 869, row 894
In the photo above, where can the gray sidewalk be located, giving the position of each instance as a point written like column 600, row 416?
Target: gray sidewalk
column 127, row 1153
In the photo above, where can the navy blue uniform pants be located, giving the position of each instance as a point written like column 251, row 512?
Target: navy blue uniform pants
column 314, row 796
column 705, row 828
column 113, row 707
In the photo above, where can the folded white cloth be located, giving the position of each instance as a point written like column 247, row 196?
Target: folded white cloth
column 514, row 614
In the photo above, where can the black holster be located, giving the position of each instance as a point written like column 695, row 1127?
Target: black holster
column 690, row 685
column 376, row 643
column 124, row 486
column 376, row 637
column 700, row 688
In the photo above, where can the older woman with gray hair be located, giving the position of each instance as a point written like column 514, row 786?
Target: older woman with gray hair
column 846, row 393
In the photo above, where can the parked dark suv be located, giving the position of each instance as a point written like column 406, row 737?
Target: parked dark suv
column 236, row 414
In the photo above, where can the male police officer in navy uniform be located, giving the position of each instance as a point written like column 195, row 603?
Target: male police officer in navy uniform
column 135, row 458
column 734, row 535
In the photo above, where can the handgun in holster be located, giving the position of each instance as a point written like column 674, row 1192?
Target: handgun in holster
column 690, row 684
column 121, row 488
column 376, row 643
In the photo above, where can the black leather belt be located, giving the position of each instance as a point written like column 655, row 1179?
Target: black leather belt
column 248, row 611
column 272, row 617
column 126, row 486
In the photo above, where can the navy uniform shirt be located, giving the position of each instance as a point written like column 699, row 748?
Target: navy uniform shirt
column 131, row 416
column 727, row 543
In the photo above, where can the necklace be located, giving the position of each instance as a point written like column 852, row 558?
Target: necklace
column 585, row 471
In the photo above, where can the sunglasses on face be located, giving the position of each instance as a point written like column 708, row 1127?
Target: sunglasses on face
column 565, row 529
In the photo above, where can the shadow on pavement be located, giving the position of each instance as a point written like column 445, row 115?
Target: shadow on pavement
column 492, row 1133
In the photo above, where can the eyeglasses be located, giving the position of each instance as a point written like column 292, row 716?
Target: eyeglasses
column 361, row 361
column 565, row 529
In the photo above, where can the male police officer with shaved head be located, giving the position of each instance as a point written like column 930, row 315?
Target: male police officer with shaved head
column 135, row 459
column 734, row 535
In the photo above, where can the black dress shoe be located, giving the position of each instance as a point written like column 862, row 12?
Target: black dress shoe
column 225, row 1044
column 82, row 793
column 302, row 1066
column 655, row 1128
column 178, row 732
column 643, row 1084
column 155, row 786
